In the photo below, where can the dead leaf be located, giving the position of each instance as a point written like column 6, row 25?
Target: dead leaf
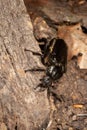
column 76, row 42
column 42, row 30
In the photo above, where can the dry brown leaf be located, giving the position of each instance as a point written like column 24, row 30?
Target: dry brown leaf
column 42, row 30
column 76, row 42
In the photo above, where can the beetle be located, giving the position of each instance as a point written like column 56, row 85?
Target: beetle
column 54, row 57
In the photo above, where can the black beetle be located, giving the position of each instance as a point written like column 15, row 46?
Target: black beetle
column 54, row 57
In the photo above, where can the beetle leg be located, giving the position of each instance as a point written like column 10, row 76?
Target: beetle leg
column 39, row 88
column 35, row 69
column 34, row 53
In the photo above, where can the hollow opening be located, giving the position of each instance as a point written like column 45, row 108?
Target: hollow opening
column 42, row 47
column 84, row 29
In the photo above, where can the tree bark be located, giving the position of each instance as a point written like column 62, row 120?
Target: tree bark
column 21, row 107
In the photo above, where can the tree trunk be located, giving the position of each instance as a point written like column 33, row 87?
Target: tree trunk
column 21, row 107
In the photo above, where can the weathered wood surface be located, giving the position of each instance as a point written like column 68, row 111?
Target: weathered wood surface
column 21, row 107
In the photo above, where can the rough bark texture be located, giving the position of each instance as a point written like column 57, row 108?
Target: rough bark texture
column 21, row 107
